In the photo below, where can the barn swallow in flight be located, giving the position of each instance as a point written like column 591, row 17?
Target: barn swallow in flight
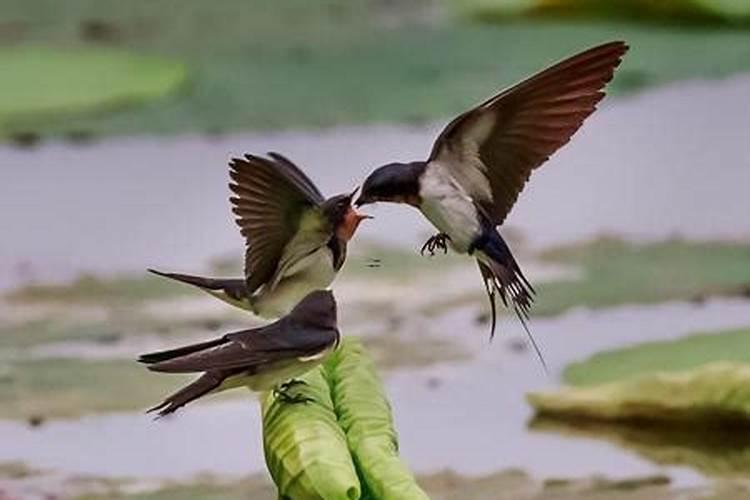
column 296, row 239
column 265, row 358
column 482, row 159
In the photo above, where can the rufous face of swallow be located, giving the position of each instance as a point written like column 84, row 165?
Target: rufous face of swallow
column 344, row 217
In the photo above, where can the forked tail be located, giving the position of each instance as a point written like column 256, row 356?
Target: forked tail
column 231, row 290
column 205, row 384
column 502, row 276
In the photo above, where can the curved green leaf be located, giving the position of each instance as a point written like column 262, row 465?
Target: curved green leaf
column 365, row 415
column 306, row 450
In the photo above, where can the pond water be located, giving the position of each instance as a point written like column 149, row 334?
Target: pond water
column 675, row 160
column 470, row 416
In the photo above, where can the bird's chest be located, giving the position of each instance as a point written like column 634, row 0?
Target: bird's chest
column 313, row 272
column 449, row 209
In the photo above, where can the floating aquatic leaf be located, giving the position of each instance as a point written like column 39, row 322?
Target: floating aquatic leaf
column 39, row 84
column 716, row 392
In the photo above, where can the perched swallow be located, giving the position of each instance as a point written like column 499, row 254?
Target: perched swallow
column 296, row 239
column 482, row 159
column 262, row 358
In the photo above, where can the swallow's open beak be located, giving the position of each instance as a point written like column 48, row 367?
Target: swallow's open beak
column 351, row 223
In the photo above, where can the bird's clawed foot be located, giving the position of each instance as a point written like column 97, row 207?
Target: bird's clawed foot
column 291, row 383
column 293, row 400
column 438, row 241
column 282, row 393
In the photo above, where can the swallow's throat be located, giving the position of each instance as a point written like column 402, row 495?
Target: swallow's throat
column 351, row 222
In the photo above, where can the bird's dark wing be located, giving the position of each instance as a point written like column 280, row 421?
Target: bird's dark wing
column 491, row 149
column 284, row 339
column 274, row 202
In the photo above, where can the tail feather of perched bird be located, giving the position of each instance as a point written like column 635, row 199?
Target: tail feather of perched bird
column 296, row 240
column 230, row 290
column 159, row 356
column 260, row 358
column 483, row 158
column 205, row 384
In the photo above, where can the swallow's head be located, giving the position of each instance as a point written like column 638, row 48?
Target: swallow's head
column 317, row 308
column 395, row 182
column 342, row 215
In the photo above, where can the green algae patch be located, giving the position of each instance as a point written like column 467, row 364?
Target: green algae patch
column 413, row 60
column 92, row 289
column 36, row 390
column 615, row 272
column 42, row 84
column 658, row 357
column 714, row 393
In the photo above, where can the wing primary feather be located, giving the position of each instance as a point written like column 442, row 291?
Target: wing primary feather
column 270, row 197
column 528, row 123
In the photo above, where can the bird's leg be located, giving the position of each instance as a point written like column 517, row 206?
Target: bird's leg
column 438, row 241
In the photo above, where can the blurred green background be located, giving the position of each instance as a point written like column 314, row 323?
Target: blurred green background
column 116, row 122
column 194, row 66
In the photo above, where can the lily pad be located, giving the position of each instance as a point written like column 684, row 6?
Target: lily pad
column 716, row 393
column 658, row 357
column 40, row 84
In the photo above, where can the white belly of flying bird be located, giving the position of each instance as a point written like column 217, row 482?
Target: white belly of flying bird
column 449, row 208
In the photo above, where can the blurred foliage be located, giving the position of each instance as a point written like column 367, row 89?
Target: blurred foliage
column 658, row 357
column 713, row 394
column 265, row 64
column 614, row 272
column 40, row 331
column 67, row 388
column 40, row 85
column 17, row 470
column 667, row 11
column 90, row 289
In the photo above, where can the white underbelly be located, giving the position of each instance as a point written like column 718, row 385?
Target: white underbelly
column 275, row 374
column 450, row 210
column 314, row 272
